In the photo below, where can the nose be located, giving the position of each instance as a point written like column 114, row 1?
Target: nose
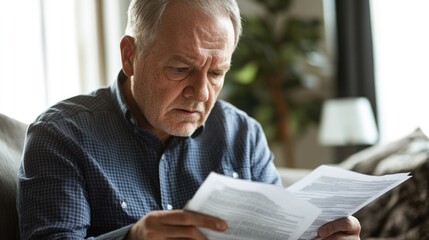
column 197, row 88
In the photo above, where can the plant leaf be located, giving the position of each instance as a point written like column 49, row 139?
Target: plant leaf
column 247, row 74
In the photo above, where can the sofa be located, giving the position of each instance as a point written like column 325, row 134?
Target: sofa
column 12, row 135
column 402, row 213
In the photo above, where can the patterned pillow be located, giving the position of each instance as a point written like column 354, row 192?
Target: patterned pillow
column 402, row 213
column 368, row 159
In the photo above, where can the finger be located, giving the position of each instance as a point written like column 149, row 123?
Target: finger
column 341, row 236
column 188, row 218
column 151, row 227
column 349, row 226
column 178, row 232
column 173, row 233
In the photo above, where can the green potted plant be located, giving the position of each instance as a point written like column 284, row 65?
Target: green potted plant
column 267, row 78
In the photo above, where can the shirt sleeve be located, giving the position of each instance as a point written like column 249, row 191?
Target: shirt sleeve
column 119, row 234
column 52, row 201
column 262, row 160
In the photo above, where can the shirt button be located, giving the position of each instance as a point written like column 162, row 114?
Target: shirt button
column 123, row 204
column 235, row 175
column 169, row 207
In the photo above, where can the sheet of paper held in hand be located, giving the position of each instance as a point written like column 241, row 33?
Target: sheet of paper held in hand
column 262, row 211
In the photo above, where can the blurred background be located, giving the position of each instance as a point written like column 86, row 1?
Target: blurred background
column 325, row 78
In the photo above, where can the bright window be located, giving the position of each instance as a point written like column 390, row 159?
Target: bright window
column 51, row 50
column 401, row 49
column 22, row 75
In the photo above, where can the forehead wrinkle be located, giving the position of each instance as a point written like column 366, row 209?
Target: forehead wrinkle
column 215, row 38
column 196, row 43
column 200, row 59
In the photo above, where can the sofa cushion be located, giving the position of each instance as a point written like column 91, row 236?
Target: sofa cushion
column 12, row 135
column 368, row 159
column 402, row 213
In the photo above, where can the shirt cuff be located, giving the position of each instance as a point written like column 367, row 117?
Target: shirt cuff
column 118, row 234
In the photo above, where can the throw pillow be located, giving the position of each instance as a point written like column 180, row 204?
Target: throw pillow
column 402, row 213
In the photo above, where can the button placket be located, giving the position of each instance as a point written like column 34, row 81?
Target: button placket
column 163, row 180
column 167, row 170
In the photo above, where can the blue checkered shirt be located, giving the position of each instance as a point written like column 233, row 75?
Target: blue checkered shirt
column 89, row 170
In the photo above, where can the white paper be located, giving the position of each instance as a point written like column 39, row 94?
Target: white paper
column 252, row 210
column 262, row 211
column 340, row 193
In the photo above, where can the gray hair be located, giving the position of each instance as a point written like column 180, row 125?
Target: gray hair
column 144, row 17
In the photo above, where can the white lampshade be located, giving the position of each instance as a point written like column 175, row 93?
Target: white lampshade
column 347, row 121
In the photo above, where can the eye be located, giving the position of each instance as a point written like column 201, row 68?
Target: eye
column 216, row 74
column 216, row 77
column 177, row 73
column 180, row 70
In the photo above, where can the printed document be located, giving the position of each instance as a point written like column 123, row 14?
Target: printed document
column 262, row 211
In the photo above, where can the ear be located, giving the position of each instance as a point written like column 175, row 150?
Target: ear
column 128, row 53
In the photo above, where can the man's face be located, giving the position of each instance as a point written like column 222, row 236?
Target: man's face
column 177, row 82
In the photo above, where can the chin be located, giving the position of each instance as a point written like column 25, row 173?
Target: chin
column 185, row 130
column 182, row 133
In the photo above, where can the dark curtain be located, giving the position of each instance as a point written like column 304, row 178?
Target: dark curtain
column 355, row 64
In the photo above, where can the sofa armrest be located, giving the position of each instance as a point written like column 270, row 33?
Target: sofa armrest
column 291, row 175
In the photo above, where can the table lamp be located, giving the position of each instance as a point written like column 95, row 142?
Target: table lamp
column 347, row 121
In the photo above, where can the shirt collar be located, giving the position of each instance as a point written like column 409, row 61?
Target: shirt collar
column 125, row 110
column 119, row 97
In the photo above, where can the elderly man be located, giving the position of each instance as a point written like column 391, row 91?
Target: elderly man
column 122, row 162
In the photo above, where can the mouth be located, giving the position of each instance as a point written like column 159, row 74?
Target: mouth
column 189, row 112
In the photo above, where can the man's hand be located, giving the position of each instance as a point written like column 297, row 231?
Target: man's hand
column 178, row 224
column 341, row 229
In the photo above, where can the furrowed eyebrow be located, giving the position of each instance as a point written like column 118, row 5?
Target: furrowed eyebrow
column 225, row 67
column 182, row 59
